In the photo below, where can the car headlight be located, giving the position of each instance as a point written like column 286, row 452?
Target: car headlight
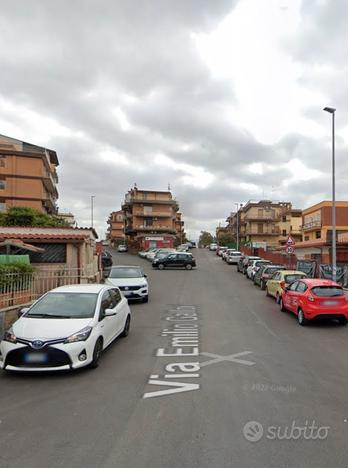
column 10, row 336
column 143, row 285
column 81, row 335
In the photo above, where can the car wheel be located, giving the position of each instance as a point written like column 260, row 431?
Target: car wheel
column 281, row 304
column 98, row 349
column 126, row 327
column 342, row 321
column 262, row 285
column 161, row 266
column 301, row 318
column 146, row 298
column 188, row 267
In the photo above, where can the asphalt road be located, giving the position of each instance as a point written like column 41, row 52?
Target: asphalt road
column 257, row 365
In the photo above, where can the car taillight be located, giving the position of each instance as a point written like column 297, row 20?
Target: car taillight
column 282, row 284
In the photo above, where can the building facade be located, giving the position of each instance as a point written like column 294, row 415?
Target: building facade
column 150, row 218
column 179, row 227
column 28, row 176
column 266, row 224
column 317, row 232
column 115, row 232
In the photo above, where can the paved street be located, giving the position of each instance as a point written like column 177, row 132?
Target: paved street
column 257, row 365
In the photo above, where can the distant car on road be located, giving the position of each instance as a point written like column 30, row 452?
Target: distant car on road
column 175, row 260
column 213, row 246
column 131, row 280
column 255, row 266
column 247, row 261
column 312, row 299
column 106, row 259
column 226, row 252
column 67, row 328
column 221, row 250
column 122, row 248
column 233, row 257
column 281, row 280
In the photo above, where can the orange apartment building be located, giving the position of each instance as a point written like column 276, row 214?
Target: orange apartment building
column 28, row 176
column 317, row 232
column 179, row 227
column 151, row 218
column 115, row 233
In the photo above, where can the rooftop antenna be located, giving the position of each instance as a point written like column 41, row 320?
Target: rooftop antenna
column 169, row 187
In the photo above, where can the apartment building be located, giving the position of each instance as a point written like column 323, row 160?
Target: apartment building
column 317, row 232
column 150, row 218
column 179, row 227
column 267, row 224
column 28, row 176
column 115, row 232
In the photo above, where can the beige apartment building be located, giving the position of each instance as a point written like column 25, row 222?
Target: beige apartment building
column 28, row 176
column 115, row 232
column 266, row 223
column 150, row 218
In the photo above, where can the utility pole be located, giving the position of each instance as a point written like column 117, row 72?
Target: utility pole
column 92, row 206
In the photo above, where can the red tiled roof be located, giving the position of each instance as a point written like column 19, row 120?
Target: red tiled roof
column 43, row 233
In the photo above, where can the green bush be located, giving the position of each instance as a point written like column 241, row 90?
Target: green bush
column 14, row 275
column 25, row 216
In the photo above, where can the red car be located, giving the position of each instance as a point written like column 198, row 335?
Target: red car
column 315, row 298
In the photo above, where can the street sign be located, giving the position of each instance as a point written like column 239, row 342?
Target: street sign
column 290, row 241
column 289, row 249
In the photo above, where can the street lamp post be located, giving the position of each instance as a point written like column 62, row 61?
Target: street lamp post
column 92, row 206
column 237, row 204
column 332, row 111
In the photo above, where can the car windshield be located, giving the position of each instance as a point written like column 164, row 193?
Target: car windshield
column 293, row 277
column 327, row 291
column 64, row 305
column 126, row 273
column 272, row 269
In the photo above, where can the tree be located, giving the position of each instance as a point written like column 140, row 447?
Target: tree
column 227, row 240
column 25, row 216
column 205, row 239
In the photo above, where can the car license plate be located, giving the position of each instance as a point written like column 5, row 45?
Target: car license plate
column 330, row 303
column 35, row 358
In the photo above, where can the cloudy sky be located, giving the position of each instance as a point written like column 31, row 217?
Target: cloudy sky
column 220, row 98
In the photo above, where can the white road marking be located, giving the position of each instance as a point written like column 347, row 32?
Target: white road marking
column 231, row 358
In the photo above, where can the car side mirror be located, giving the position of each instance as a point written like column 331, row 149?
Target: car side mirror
column 22, row 311
column 109, row 312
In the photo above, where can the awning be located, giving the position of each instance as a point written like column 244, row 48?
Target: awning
column 19, row 244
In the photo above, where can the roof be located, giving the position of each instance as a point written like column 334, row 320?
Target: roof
column 320, row 282
column 81, row 288
column 324, row 203
column 46, row 233
column 30, row 148
column 20, row 245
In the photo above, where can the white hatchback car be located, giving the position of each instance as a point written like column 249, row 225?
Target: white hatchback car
column 131, row 280
column 67, row 328
column 254, row 267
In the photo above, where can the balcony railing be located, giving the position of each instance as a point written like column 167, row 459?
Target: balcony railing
column 254, row 232
column 261, row 218
column 312, row 225
column 153, row 214
column 153, row 228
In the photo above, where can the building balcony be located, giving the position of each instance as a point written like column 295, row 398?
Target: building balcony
column 148, row 201
column 152, row 229
column 312, row 225
column 252, row 232
column 262, row 218
column 154, row 214
column 50, row 184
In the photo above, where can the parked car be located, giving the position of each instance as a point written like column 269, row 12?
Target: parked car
column 161, row 253
column 151, row 254
column 175, row 260
column 106, row 259
column 233, row 258
column 122, row 248
column 131, row 280
column 213, row 246
column 183, row 248
column 247, row 262
column 67, row 328
column 281, row 280
column 226, row 252
column 312, row 299
column 220, row 250
column 143, row 253
column 265, row 273
column 254, row 266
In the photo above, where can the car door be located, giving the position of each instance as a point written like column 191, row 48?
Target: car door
column 298, row 294
column 107, row 324
column 120, row 304
column 288, row 297
column 172, row 260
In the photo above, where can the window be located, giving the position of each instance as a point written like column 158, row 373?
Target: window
column 106, row 303
column 2, row 184
column 284, row 232
column 301, row 287
column 260, row 228
column 2, row 206
column 327, row 291
column 183, row 257
column 260, row 213
column 306, row 238
column 317, row 234
column 116, row 296
column 284, row 219
column 293, row 286
column 276, row 276
column 54, row 253
column 148, row 222
column 2, row 161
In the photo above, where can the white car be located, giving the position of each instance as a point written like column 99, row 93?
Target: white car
column 254, row 266
column 226, row 252
column 67, row 328
column 122, row 248
column 131, row 280
column 213, row 247
column 233, row 257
